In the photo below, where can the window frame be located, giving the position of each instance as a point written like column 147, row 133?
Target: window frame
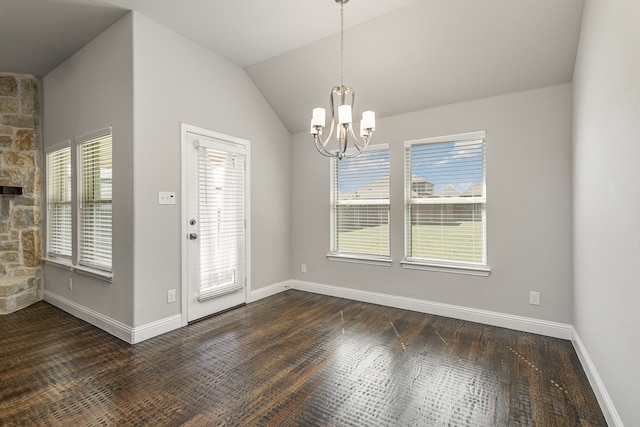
column 334, row 254
column 72, row 262
column 66, row 258
column 87, row 254
column 441, row 265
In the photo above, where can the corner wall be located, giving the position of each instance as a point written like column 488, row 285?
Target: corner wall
column 528, row 208
column 89, row 91
column 606, row 185
column 177, row 80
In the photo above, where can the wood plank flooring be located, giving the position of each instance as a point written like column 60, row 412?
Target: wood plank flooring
column 294, row 359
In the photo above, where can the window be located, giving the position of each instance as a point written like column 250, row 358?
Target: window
column 360, row 205
column 95, row 190
column 79, row 204
column 59, row 203
column 445, row 208
column 221, row 214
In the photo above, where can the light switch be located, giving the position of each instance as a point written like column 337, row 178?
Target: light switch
column 166, row 197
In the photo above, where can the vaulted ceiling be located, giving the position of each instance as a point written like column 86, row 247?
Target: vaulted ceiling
column 399, row 55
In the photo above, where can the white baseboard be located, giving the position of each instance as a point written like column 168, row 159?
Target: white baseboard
column 606, row 404
column 153, row 329
column 268, row 291
column 107, row 324
column 519, row 323
column 112, row 326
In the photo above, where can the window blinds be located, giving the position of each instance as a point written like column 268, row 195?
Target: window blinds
column 360, row 204
column 59, row 203
column 445, row 211
column 221, row 212
column 95, row 201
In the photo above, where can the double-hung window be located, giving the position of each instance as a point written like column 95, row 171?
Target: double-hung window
column 79, row 204
column 59, row 203
column 360, row 206
column 94, row 201
column 445, row 203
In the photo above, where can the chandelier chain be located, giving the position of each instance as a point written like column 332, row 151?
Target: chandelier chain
column 342, row 43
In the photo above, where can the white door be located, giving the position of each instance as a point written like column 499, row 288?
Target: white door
column 216, row 235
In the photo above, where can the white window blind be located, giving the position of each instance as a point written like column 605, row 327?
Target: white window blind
column 446, row 200
column 360, row 204
column 221, row 212
column 95, row 200
column 59, row 203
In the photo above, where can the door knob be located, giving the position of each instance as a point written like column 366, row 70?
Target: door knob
column 193, row 236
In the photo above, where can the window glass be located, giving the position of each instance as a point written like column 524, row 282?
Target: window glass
column 95, row 201
column 446, row 200
column 59, row 203
column 360, row 204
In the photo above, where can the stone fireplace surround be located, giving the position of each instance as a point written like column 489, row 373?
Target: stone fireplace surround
column 20, row 215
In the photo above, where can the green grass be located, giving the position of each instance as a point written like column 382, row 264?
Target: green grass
column 461, row 241
column 369, row 241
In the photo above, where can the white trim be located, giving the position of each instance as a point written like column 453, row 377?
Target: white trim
column 107, row 276
column 66, row 264
column 360, row 259
column 107, row 324
column 59, row 262
column 268, row 291
column 184, row 279
column 57, row 147
column 470, row 270
column 112, row 326
column 518, row 323
column 153, row 329
column 372, row 147
column 184, row 130
column 606, row 404
column 456, row 137
column 96, row 134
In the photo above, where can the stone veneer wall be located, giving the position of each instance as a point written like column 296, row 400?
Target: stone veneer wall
column 20, row 216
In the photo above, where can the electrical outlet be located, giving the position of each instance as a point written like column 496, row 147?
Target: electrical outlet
column 534, row 298
column 171, row 296
column 70, row 283
column 304, row 268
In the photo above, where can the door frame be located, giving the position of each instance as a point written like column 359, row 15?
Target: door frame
column 184, row 129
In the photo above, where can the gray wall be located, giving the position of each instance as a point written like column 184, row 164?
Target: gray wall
column 528, row 208
column 140, row 75
column 89, row 91
column 177, row 81
column 606, row 184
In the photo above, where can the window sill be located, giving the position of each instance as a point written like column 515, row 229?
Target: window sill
column 80, row 269
column 446, row 268
column 385, row 262
column 59, row 262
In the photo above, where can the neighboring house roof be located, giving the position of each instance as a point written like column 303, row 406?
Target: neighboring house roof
column 428, row 186
column 475, row 191
column 378, row 189
column 448, row 191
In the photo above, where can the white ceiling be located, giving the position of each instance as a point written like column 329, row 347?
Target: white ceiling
column 400, row 55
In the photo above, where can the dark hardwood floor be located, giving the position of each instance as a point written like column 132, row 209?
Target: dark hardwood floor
column 294, row 359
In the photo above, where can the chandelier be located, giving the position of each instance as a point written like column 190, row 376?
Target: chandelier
column 342, row 96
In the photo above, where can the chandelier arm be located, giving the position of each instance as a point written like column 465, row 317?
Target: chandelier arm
column 321, row 148
column 356, row 142
column 360, row 146
column 357, row 152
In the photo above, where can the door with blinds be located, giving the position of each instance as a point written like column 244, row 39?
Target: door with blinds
column 216, row 223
